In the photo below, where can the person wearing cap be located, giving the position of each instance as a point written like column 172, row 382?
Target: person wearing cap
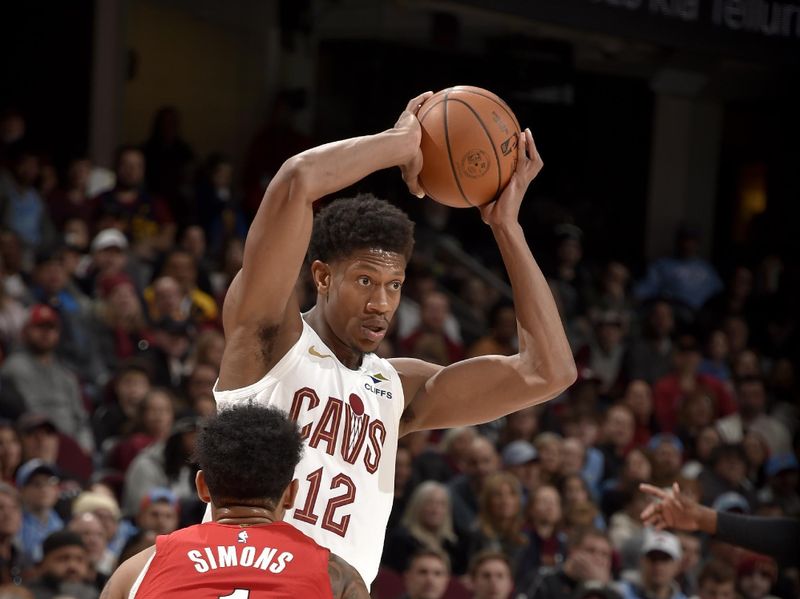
column 13, row 563
column 102, row 560
column 39, row 437
column 64, row 569
column 105, row 508
column 38, row 484
column 36, row 375
column 669, row 391
column 777, row 537
column 756, row 576
column 588, row 561
column 666, row 451
column 658, row 568
column 159, row 511
column 783, row 480
column 521, row 459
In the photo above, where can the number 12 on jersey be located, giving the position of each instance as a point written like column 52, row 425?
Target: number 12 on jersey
column 329, row 522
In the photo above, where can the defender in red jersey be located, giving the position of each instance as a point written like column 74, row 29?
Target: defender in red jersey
column 247, row 457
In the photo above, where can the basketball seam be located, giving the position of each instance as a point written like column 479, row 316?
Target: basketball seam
column 450, row 155
column 497, row 101
column 422, row 118
column 491, row 143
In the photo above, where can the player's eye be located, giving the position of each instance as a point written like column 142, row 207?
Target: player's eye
column 363, row 281
column 395, row 285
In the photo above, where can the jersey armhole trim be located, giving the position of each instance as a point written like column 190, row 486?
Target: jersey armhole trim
column 139, row 579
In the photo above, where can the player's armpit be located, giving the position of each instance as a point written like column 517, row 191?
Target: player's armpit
column 346, row 583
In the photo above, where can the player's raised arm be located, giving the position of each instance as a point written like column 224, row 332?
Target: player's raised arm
column 345, row 580
column 260, row 315
column 488, row 387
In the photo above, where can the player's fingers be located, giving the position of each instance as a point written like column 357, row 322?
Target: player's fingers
column 533, row 153
column 655, row 491
column 411, row 173
column 415, row 103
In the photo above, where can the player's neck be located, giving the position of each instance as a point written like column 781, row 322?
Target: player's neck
column 243, row 515
column 346, row 355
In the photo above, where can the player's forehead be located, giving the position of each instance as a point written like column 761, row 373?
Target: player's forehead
column 375, row 260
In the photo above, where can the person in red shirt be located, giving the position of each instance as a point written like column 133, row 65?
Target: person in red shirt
column 247, row 457
column 670, row 391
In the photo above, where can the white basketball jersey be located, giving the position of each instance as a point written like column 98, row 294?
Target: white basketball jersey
column 349, row 420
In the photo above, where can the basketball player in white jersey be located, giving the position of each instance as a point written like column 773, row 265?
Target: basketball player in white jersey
column 352, row 406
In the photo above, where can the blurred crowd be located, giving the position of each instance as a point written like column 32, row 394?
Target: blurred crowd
column 110, row 343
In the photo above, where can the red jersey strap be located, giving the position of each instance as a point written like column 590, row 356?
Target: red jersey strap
column 222, row 561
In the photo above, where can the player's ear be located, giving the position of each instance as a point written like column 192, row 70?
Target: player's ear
column 290, row 494
column 202, row 488
column 321, row 273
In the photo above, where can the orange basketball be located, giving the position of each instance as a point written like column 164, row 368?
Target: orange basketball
column 469, row 146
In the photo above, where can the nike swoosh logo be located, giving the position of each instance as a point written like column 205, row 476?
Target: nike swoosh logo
column 313, row 351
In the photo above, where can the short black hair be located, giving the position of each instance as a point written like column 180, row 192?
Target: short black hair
column 363, row 222
column 248, row 453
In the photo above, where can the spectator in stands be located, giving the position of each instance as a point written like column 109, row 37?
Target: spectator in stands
column 588, row 563
column 163, row 464
column 500, row 519
column 521, row 460
column 38, row 483
column 12, row 260
column 783, row 474
column 52, row 287
column 426, row 523
column 603, row 354
column 195, row 305
column 625, row 529
column 666, row 453
column 431, row 334
column 71, row 200
column 756, row 575
column 617, row 437
column 159, row 511
column 193, row 241
column 39, row 437
column 568, row 276
column 10, row 451
column 691, row 560
column 717, row 580
column 22, row 208
column 637, row 469
column 650, row 357
column 638, row 397
column 520, row 425
column 208, row 348
column 686, row 278
column 670, row 390
column 427, row 575
column 109, row 259
column 101, row 559
column 491, row 576
column 751, row 395
column 12, row 318
column 658, row 569
column 145, row 219
column 219, row 207
column 105, row 508
column 546, row 542
column 64, row 569
column 35, row 378
column 168, row 355
column 717, row 359
column 502, row 337
column 154, row 420
column 120, row 327
column 465, row 489
column 12, row 559
column 548, row 446
column 728, row 473
column 167, row 154
column 705, row 443
column 116, row 417
column 695, row 414
column 199, row 389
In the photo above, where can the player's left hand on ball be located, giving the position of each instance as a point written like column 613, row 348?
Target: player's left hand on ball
column 506, row 208
column 412, row 165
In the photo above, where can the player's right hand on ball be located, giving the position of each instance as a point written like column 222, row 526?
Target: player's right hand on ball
column 412, row 164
